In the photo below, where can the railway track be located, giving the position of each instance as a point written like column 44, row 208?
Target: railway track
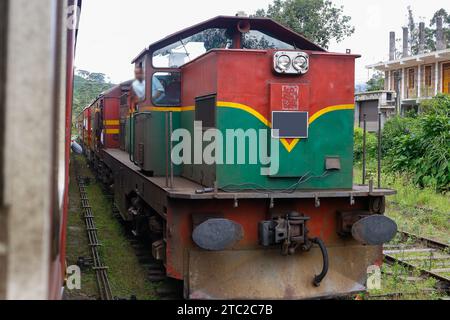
column 165, row 288
column 431, row 258
column 101, row 270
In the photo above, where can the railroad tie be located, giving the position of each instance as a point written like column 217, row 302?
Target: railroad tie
column 100, row 269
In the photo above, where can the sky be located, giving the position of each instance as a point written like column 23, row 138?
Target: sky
column 113, row 32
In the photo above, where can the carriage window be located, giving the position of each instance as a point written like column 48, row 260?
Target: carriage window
column 260, row 41
column 166, row 89
column 185, row 50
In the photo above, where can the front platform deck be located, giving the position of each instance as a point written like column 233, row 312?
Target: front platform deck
column 186, row 189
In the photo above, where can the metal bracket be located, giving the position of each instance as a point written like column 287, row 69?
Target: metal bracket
column 236, row 202
column 352, row 200
column 317, row 201
column 272, row 203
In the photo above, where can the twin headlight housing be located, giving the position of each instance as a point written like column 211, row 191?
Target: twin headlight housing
column 291, row 62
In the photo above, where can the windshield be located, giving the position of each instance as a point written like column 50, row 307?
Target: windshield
column 258, row 40
column 183, row 51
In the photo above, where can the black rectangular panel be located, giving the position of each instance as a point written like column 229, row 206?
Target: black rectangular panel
column 290, row 124
column 205, row 111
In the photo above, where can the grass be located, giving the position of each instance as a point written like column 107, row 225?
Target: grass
column 77, row 244
column 399, row 283
column 421, row 211
column 126, row 275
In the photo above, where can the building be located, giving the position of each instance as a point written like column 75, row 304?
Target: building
column 417, row 77
column 372, row 103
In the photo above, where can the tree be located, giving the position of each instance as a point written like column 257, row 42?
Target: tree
column 376, row 83
column 430, row 32
column 446, row 25
column 212, row 38
column 97, row 77
column 87, row 87
column 318, row 20
column 413, row 32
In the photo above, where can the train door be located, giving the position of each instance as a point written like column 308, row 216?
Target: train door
column 98, row 125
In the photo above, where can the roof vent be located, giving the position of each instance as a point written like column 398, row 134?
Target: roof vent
column 241, row 14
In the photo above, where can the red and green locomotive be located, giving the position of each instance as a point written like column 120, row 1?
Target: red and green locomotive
column 238, row 160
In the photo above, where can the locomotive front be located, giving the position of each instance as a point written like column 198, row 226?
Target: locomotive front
column 251, row 125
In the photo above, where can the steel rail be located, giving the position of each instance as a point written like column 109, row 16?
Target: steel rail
column 429, row 243
column 100, row 269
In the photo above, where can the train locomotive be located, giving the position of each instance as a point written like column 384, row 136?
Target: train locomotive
column 278, row 218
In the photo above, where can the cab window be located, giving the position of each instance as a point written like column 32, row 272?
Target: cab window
column 186, row 50
column 259, row 40
column 166, row 89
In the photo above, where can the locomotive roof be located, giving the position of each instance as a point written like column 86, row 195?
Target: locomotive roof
column 267, row 25
column 124, row 86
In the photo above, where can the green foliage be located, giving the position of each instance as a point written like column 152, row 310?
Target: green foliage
column 430, row 32
column 318, row 20
column 395, row 127
column 87, row 87
column 438, row 105
column 422, row 211
column 371, row 145
column 212, row 38
column 376, row 83
column 421, row 146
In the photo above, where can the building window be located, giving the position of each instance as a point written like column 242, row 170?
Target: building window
column 411, row 78
column 428, row 78
column 396, row 80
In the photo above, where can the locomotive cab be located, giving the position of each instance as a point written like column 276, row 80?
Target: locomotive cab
column 233, row 73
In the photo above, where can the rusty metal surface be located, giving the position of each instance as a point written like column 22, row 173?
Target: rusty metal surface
column 128, row 179
column 357, row 191
column 186, row 189
column 265, row 274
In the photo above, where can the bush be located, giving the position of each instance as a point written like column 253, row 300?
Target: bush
column 421, row 146
column 438, row 105
column 396, row 127
column 371, row 145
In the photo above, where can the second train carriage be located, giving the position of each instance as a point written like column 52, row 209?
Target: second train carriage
column 301, row 230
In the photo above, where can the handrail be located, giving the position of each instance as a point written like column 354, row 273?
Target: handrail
column 131, row 133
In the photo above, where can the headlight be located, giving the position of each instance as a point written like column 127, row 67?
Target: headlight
column 300, row 63
column 284, row 62
column 291, row 62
